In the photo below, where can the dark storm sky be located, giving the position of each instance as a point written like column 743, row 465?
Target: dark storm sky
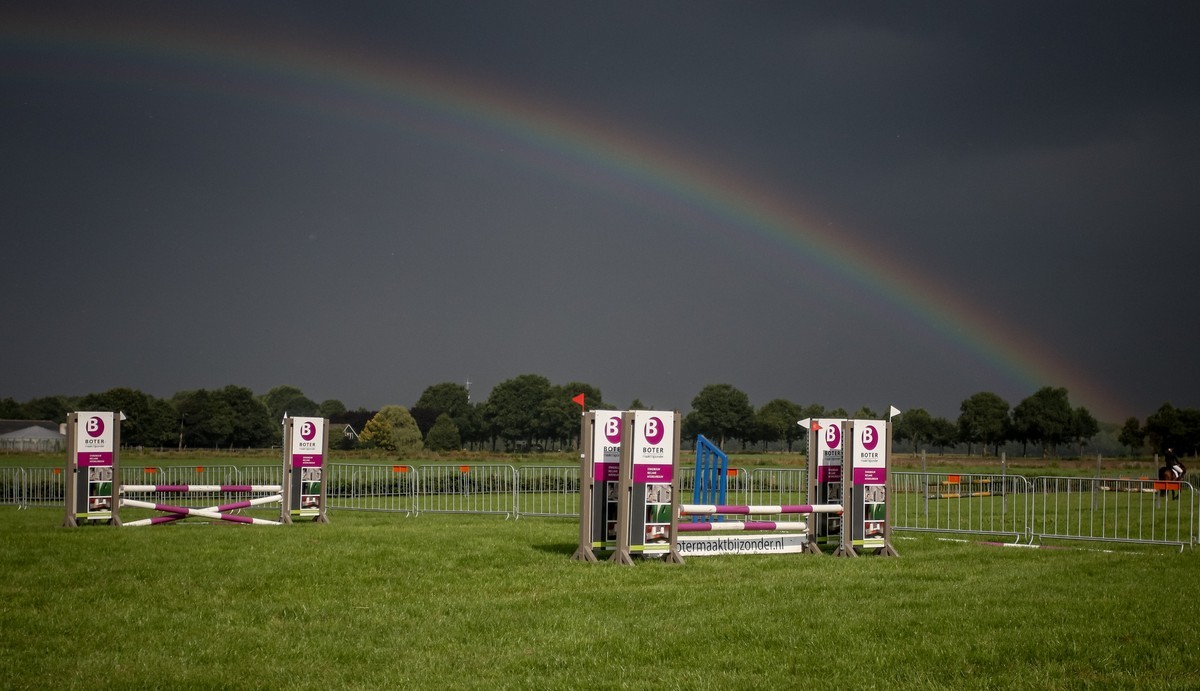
column 364, row 199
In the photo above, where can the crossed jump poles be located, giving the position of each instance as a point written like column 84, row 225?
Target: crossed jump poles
column 219, row 512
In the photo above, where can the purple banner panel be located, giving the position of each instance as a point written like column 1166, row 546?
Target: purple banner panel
column 870, row 476
column 87, row 459
column 606, row 472
column 306, row 460
column 829, row 473
column 647, row 472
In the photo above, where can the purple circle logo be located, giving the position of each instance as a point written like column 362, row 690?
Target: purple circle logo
column 833, row 435
column 870, row 437
column 94, row 426
column 653, row 431
column 612, row 430
column 307, row 431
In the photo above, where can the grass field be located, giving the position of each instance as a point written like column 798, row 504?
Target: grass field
column 379, row 601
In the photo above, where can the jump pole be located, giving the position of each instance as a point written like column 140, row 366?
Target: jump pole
column 214, row 512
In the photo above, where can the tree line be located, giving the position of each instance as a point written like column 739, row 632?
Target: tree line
column 528, row 413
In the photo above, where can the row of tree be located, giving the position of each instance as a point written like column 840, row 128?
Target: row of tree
column 528, row 412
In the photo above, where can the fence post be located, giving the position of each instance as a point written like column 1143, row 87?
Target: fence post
column 1003, row 486
column 925, row 486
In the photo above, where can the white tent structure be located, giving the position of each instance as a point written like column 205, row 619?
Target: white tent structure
column 31, row 435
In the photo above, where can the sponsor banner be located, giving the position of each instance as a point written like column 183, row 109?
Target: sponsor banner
column 697, row 546
column 870, row 476
column 653, row 455
column 829, row 473
column 870, row 479
column 606, row 446
column 308, row 442
column 94, row 439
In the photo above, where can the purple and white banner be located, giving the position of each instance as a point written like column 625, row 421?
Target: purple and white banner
column 653, row 452
column 94, row 439
column 606, row 446
column 308, row 442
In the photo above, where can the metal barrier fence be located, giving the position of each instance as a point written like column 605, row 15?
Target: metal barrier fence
column 364, row 487
column 970, row 503
column 43, row 487
column 777, row 486
column 1011, row 506
column 737, row 485
column 551, row 491
column 12, row 486
column 478, row 489
column 1107, row 510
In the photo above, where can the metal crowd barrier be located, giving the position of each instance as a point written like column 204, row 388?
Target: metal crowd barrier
column 1108, row 510
column 777, row 486
column 12, row 486
column 367, row 487
column 550, row 491
column 967, row 503
column 42, row 487
column 1010, row 506
column 477, row 489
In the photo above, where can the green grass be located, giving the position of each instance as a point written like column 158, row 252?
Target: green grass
column 379, row 601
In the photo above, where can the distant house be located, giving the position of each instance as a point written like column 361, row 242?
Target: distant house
column 32, row 435
column 346, row 430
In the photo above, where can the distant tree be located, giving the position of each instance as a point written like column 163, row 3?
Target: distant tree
column 473, row 427
column 205, row 420
column 446, row 397
column 148, row 420
column 943, row 433
column 1044, row 417
column 1132, row 435
column 425, row 418
column 331, row 407
column 11, row 410
column 1083, row 427
column 393, row 429
column 638, row 405
column 290, row 400
column 54, row 408
column 593, row 399
column 865, row 413
column 777, row 422
column 1190, row 418
column 721, row 411
column 1166, row 429
column 914, row 426
column 558, row 419
column 250, row 423
column 983, row 419
column 443, row 436
column 811, row 411
column 515, row 408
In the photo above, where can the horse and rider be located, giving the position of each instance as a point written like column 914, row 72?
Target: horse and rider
column 1172, row 470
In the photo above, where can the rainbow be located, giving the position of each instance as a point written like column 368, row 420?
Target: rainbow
column 346, row 85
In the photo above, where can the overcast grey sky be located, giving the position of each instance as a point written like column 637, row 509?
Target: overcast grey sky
column 874, row 204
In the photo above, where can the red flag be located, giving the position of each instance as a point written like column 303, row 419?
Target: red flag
column 815, row 426
column 579, row 399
